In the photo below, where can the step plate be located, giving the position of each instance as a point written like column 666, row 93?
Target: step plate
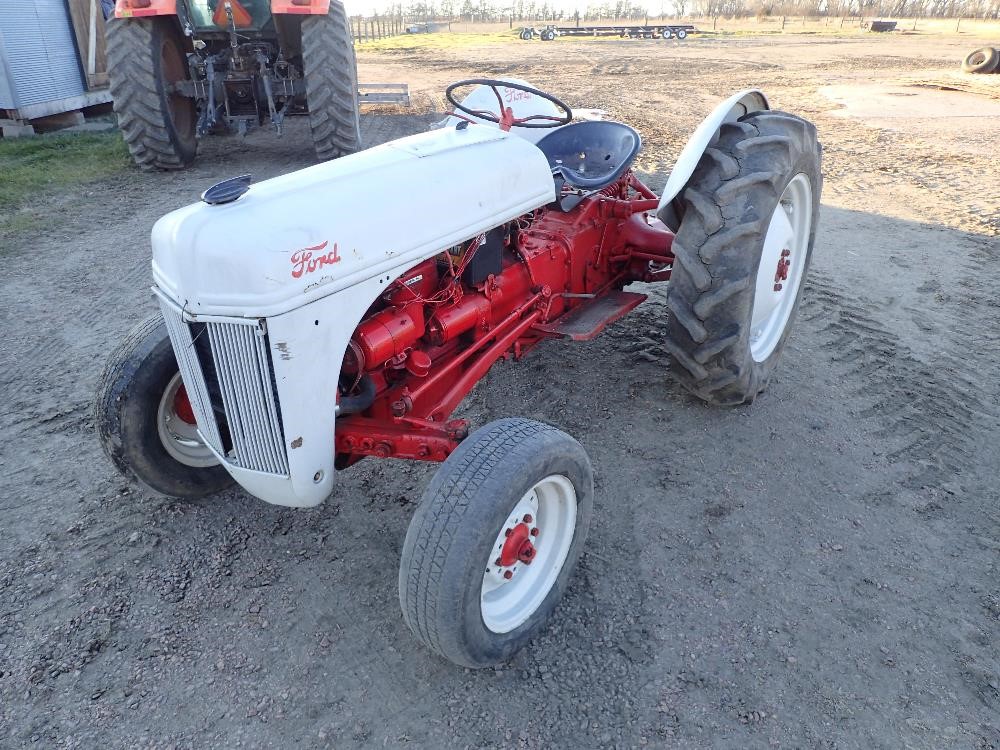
column 588, row 320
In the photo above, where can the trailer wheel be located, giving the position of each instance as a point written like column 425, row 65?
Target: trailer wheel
column 331, row 74
column 682, row 34
column 741, row 252
column 145, row 57
column 526, row 36
column 494, row 541
column 982, row 60
column 144, row 420
column 548, row 35
column 668, row 34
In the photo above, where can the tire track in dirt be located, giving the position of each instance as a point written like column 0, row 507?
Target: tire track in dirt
column 930, row 412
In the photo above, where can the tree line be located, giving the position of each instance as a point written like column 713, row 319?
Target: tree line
column 486, row 11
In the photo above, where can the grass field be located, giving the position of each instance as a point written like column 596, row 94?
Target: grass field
column 33, row 167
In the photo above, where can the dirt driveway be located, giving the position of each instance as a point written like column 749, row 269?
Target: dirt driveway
column 821, row 569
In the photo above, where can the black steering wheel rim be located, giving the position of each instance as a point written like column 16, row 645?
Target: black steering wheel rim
column 495, row 84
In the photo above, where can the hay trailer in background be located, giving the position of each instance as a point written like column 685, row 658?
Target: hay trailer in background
column 623, row 31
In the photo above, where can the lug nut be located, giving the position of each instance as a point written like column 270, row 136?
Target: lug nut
column 498, row 563
column 777, row 287
column 534, row 532
column 508, row 574
column 506, row 532
column 527, row 518
column 785, row 253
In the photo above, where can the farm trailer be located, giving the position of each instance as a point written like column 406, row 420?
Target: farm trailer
column 625, row 31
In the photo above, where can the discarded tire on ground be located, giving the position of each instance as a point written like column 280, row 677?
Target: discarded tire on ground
column 982, row 60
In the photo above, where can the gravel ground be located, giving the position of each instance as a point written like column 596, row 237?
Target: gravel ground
column 817, row 570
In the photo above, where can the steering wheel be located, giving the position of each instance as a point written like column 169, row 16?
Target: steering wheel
column 506, row 119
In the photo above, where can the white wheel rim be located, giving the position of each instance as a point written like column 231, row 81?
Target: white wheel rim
column 507, row 601
column 777, row 286
column 181, row 439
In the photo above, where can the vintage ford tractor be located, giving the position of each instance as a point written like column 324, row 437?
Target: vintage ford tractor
column 345, row 310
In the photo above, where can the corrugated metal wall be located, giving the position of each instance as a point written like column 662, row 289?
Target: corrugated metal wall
column 41, row 59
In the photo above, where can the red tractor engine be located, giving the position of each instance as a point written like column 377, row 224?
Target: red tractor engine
column 440, row 326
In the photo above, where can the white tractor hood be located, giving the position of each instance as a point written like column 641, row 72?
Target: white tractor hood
column 296, row 238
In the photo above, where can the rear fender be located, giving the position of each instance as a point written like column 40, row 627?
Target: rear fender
column 301, row 8
column 143, row 8
column 732, row 109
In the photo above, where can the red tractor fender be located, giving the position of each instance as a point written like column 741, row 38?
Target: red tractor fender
column 141, row 8
column 300, row 7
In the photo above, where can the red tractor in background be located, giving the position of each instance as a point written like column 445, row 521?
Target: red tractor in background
column 181, row 69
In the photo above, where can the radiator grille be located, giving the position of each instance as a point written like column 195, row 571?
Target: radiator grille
column 236, row 381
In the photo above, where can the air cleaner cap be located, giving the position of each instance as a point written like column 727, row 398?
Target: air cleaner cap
column 228, row 190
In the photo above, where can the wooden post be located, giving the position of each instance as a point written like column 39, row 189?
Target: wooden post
column 782, row 23
column 959, row 23
column 92, row 41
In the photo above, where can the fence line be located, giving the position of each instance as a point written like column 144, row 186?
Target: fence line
column 376, row 27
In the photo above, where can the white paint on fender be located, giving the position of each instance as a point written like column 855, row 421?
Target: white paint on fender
column 730, row 110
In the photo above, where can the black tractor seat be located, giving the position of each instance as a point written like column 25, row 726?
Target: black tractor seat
column 590, row 155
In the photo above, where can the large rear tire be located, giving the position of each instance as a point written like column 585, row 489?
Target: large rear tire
column 494, row 541
column 331, row 74
column 741, row 252
column 146, row 56
column 145, row 423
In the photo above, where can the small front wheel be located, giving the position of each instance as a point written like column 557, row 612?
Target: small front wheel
column 145, row 421
column 494, row 541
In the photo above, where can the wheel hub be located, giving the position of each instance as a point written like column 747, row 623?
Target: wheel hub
column 778, row 277
column 518, row 545
column 520, row 571
column 182, row 406
column 782, row 273
column 178, row 429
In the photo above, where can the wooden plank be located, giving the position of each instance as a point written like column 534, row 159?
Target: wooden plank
column 79, row 12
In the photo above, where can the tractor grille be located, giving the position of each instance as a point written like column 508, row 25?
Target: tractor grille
column 226, row 368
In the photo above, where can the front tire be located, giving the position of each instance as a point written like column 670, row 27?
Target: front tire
column 331, row 74
column 494, row 541
column 741, row 252
column 144, row 423
column 145, row 57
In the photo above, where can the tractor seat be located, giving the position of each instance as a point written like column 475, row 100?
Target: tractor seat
column 591, row 154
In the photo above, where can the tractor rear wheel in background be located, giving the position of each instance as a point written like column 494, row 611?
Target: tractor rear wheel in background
column 982, row 60
column 145, row 57
column 741, row 253
column 331, row 75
